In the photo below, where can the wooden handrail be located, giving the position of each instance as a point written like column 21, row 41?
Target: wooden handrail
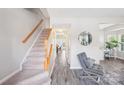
column 31, row 33
column 47, row 62
column 49, row 54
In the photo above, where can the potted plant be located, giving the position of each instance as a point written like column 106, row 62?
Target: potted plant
column 112, row 45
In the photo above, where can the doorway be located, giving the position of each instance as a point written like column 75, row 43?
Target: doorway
column 62, row 44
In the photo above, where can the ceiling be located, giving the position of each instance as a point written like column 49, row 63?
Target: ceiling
column 105, row 25
column 111, row 27
column 86, row 12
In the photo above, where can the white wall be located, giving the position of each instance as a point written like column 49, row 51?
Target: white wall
column 90, row 24
column 14, row 25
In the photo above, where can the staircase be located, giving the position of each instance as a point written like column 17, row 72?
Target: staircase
column 33, row 72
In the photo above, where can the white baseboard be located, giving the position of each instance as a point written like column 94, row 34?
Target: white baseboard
column 27, row 53
column 75, row 67
column 120, row 58
column 8, row 76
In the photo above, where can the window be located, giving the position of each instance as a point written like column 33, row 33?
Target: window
column 122, row 42
column 111, row 37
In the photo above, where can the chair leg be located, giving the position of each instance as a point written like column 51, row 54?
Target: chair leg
column 98, row 79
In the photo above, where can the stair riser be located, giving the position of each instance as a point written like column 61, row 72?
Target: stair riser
column 38, row 50
column 43, row 35
column 32, row 67
column 39, row 45
column 41, row 48
column 43, row 38
column 45, row 32
column 36, row 59
column 33, row 63
column 37, row 54
column 41, row 41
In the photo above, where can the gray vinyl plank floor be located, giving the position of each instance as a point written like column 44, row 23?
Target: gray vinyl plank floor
column 113, row 73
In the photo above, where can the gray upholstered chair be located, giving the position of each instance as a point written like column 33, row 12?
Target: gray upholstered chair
column 89, row 68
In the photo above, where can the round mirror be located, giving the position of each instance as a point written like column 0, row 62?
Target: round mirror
column 85, row 38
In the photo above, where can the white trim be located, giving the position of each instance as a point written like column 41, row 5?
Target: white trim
column 120, row 58
column 75, row 67
column 8, row 76
column 117, row 57
column 27, row 53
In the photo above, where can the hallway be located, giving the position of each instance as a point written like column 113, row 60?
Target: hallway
column 62, row 75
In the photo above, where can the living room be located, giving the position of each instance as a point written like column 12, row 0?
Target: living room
column 93, row 23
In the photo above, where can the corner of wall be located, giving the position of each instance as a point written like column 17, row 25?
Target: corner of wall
column 9, row 76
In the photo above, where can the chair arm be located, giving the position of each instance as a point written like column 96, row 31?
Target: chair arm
column 91, row 60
